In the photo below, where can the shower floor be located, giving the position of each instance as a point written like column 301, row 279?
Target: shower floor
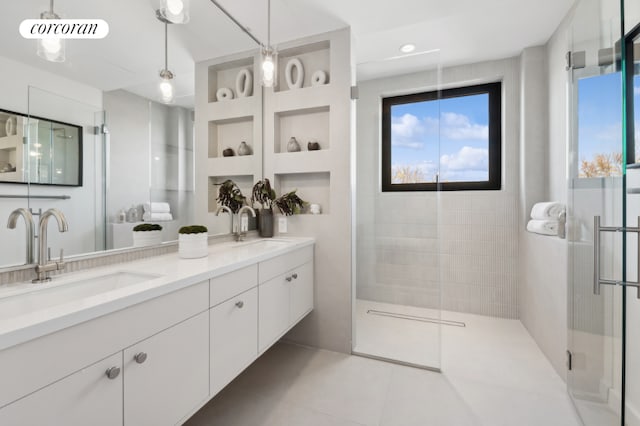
column 491, row 355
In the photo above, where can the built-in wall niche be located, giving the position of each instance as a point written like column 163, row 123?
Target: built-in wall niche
column 313, row 57
column 306, row 125
column 314, row 188
column 244, row 182
column 229, row 134
column 224, row 76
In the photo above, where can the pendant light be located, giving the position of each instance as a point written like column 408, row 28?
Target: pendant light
column 165, row 86
column 269, row 66
column 51, row 49
column 174, row 11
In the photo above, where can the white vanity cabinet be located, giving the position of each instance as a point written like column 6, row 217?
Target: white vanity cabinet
column 87, row 397
column 163, row 375
column 285, row 294
column 157, row 360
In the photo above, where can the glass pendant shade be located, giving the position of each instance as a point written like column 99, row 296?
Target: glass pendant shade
column 166, row 86
column 269, row 67
column 175, row 11
column 51, row 49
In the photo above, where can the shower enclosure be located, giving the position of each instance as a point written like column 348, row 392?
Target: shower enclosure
column 604, row 213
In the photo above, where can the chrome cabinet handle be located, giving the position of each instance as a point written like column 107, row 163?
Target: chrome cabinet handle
column 112, row 372
column 140, row 357
column 288, row 279
column 295, row 276
column 240, row 304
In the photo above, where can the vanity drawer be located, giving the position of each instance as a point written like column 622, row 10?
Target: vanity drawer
column 37, row 363
column 279, row 265
column 229, row 285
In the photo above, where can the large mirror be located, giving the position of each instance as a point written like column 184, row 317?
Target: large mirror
column 55, row 154
column 95, row 125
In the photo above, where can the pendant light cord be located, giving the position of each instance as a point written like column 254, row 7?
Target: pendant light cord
column 268, row 24
column 51, row 6
column 166, row 46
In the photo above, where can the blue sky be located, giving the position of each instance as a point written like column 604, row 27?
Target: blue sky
column 449, row 134
column 600, row 115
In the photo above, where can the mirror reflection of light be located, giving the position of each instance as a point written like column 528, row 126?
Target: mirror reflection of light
column 35, row 154
column 58, row 171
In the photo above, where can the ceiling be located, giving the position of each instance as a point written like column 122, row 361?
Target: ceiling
column 461, row 31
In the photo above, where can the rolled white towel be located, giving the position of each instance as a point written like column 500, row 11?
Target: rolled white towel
column 160, row 217
column 543, row 227
column 157, row 208
column 548, row 210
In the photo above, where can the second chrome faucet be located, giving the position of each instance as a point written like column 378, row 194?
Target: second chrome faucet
column 239, row 226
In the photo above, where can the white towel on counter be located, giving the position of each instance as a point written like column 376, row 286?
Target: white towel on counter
column 159, row 217
column 548, row 210
column 543, row 227
column 157, row 208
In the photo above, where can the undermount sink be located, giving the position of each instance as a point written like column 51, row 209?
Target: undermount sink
column 34, row 297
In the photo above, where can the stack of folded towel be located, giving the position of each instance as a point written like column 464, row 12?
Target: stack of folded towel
column 156, row 212
column 545, row 218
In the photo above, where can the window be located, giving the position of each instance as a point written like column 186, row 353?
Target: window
column 448, row 140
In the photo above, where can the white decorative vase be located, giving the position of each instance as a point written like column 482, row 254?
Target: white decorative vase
column 244, row 83
column 147, row 238
column 288, row 73
column 319, row 78
column 224, row 94
column 10, row 126
column 192, row 246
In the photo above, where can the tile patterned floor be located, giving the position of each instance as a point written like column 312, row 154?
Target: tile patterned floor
column 493, row 375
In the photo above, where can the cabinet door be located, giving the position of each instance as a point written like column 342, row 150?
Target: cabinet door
column 165, row 376
column 234, row 338
column 273, row 312
column 87, row 397
column 301, row 291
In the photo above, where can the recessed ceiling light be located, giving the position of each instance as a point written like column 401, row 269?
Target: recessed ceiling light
column 407, row 48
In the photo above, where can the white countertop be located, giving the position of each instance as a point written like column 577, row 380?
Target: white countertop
column 173, row 273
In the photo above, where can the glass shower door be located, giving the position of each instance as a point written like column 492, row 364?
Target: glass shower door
column 596, row 214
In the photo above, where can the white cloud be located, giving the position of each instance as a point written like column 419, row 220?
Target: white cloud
column 459, row 127
column 467, row 158
column 636, row 90
column 406, row 131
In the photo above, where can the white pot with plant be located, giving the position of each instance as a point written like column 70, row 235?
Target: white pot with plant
column 147, row 234
column 193, row 242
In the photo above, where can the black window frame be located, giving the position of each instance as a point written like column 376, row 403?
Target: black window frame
column 494, row 90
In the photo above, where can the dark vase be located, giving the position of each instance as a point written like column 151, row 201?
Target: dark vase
column 265, row 223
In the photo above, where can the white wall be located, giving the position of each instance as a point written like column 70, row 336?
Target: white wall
column 400, row 235
column 80, row 102
column 543, row 260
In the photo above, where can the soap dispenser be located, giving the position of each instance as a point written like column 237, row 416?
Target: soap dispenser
column 122, row 216
column 132, row 214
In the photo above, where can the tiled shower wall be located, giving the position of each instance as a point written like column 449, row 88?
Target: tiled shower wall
column 457, row 250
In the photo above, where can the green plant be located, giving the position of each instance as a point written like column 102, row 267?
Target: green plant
column 193, row 229
column 230, row 195
column 147, row 227
column 289, row 203
column 263, row 193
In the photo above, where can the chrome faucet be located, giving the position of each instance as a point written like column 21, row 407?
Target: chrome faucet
column 244, row 226
column 44, row 266
column 28, row 220
column 238, row 229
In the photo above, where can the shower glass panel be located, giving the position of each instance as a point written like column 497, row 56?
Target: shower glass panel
column 596, row 199
column 397, row 305
column 50, row 157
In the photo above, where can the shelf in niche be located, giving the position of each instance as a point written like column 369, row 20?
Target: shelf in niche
column 313, row 187
column 224, row 75
column 244, row 181
column 231, row 166
column 302, row 162
column 308, row 124
column 314, row 57
column 229, row 133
